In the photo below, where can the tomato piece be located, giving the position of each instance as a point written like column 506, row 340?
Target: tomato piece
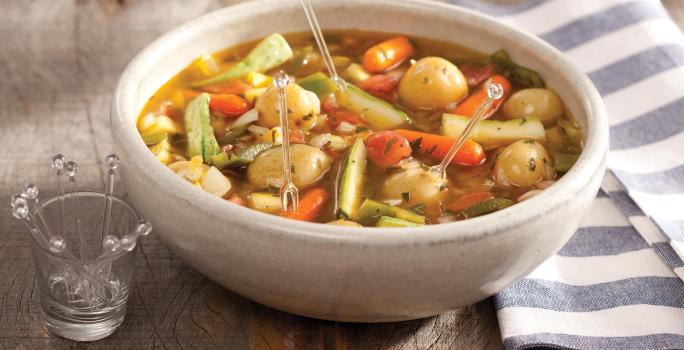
column 229, row 105
column 387, row 148
column 381, row 86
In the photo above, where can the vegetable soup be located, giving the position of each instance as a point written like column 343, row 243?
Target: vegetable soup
column 361, row 155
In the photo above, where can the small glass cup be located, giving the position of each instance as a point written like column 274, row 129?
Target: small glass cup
column 84, row 288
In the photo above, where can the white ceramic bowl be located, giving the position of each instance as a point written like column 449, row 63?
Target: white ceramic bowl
column 351, row 274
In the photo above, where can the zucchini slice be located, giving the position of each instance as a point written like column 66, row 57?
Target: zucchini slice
column 201, row 139
column 350, row 185
column 269, row 53
column 492, row 133
column 379, row 114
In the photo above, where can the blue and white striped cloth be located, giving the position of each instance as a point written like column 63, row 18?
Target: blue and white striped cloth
column 615, row 284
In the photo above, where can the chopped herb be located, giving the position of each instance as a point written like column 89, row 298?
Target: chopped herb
column 273, row 136
column 307, row 116
column 406, row 196
column 426, row 80
column 389, row 144
column 532, row 164
column 360, row 129
column 529, row 141
column 523, row 121
column 415, row 145
column 442, row 187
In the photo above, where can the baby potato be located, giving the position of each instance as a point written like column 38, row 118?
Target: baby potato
column 414, row 186
column 303, row 107
column 431, row 83
column 309, row 164
column 542, row 104
column 522, row 164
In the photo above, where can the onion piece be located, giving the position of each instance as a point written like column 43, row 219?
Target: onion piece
column 320, row 140
column 215, row 182
column 257, row 130
column 249, row 117
column 346, row 128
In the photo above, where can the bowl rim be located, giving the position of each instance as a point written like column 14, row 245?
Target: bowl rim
column 589, row 163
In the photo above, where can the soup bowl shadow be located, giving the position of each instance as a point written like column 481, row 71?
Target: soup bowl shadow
column 343, row 273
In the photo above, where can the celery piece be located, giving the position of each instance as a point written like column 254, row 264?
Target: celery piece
column 355, row 73
column 269, row 53
column 241, row 158
column 234, row 133
column 318, row 83
column 301, row 60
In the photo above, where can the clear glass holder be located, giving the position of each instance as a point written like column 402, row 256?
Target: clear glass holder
column 84, row 261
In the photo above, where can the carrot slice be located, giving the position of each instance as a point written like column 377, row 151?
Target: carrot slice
column 468, row 106
column 387, row 54
column 468, row 200
column 310, row 205
column 437, row 146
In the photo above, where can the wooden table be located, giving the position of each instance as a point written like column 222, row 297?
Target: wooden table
column 59, row 62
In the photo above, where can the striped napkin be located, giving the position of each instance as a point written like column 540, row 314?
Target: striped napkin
column 617, row 284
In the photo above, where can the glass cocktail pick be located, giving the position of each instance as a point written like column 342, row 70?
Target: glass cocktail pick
column 289, row 194
column 494, row 92
column 322, row 46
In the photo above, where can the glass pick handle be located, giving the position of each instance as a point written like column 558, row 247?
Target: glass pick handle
column 322, row 46
column 494, row 92
column 289, row 194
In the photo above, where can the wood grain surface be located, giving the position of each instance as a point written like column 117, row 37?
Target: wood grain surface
column 59, row 62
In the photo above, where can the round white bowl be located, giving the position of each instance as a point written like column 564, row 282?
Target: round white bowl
column 351, row 274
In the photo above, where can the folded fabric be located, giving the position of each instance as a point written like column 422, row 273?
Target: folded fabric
column 614, row 285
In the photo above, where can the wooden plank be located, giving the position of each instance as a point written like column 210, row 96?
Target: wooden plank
column 60, row 61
